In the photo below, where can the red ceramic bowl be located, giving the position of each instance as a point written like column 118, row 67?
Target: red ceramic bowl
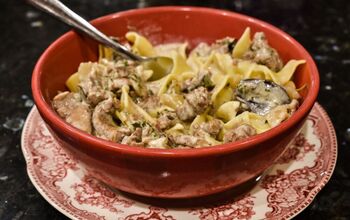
column 176, row 173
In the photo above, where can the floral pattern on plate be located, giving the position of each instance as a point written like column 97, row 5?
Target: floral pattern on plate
column 283, row 191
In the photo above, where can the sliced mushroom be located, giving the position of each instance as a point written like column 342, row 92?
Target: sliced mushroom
column 103, row 122
column 261, row 95
column 73, row 110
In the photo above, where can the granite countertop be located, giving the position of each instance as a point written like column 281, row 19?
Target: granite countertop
column 322, row 27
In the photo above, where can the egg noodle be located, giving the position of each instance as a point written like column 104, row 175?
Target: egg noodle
column 193, row 105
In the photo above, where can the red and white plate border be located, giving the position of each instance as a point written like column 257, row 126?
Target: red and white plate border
column 284, row 191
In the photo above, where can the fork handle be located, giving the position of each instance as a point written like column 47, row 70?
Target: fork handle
column 63, row 13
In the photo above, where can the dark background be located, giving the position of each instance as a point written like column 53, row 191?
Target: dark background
column 322, row 27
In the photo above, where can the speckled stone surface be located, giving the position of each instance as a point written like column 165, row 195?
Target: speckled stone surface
column 322, row 27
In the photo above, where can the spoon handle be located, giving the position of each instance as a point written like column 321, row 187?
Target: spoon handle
column 62, row 12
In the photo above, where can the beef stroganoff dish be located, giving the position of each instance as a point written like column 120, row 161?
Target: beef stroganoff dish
column 195, row 104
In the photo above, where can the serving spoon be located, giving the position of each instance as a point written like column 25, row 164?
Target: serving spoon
column 63, row 13
column 259, row 95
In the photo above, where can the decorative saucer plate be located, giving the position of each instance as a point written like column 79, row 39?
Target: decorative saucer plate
column 284, row 190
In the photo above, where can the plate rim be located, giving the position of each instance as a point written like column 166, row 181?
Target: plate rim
column 31, row 175
column 331, row 165
column 307, row 201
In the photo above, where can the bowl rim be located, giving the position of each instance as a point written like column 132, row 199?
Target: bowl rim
column 51, row 116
